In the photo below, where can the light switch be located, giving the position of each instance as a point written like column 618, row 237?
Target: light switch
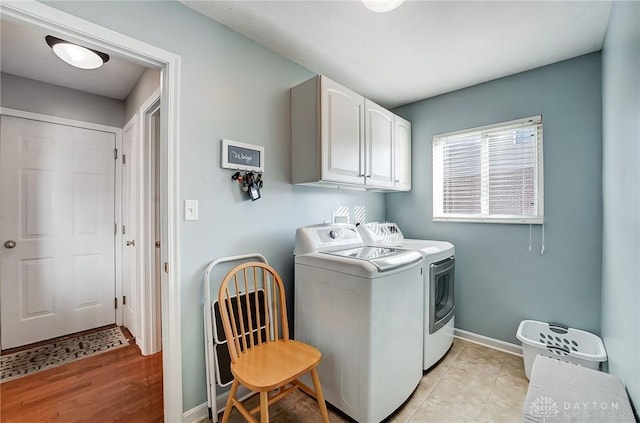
column 190, row 209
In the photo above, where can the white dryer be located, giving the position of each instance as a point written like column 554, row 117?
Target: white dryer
column 439, row 283
column 362, row 308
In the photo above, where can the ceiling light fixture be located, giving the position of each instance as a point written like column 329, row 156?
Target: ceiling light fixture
column 75, row 55
column 382, row 6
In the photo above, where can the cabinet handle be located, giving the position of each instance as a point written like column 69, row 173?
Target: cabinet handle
column 397, row 180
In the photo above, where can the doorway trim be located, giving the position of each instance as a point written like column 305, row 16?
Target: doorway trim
column 95, row 36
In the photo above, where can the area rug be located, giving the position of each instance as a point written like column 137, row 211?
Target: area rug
column 22, row 363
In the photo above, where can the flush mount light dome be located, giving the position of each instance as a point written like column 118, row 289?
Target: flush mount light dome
column 382, row 6
column 75, row 55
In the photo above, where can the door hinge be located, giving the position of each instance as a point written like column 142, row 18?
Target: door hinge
column 115, row 154
column 124, row 159
column 115, row 302
column 124, row 300
column 166, row 267
column 115, row 228
column 124, row 229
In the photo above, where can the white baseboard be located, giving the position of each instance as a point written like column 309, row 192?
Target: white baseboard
column 496, row 344
column 197, row 414
column 200, row 412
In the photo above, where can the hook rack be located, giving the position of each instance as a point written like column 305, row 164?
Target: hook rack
column 250, row 182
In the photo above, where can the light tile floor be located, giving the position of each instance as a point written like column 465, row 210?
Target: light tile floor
column 471, row 383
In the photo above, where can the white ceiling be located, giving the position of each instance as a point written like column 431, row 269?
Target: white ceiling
column 422, row 48
column 25, row 53
column 419, row 50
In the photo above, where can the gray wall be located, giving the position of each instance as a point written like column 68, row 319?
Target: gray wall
column 230, row 88
column 498, row 281
column 39, row 97
column 621, row 185
column 149, row 82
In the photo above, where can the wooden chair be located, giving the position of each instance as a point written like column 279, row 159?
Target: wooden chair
column 263, row 358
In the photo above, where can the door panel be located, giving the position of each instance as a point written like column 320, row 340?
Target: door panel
column 37, row 203
column 37, row 287
column 57, row 187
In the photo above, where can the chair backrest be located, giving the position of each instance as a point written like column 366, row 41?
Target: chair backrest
column 252, row 307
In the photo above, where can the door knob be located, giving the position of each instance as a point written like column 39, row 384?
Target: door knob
column 9, row 244
column 131, row 243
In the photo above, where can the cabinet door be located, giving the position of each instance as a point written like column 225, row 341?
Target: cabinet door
column 402, row 154
column 342, row 117
column 379, row 133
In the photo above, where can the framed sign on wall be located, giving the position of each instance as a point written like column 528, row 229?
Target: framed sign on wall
column 242, row 156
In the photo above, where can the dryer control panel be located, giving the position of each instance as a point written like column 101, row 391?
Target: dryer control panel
column 381, row 233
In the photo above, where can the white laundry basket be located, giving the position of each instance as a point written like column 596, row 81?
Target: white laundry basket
column 559, row 342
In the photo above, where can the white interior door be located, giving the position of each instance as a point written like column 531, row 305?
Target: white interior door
column 57, row 192
column 155, row 299
column 149, row 337
column 130, row 207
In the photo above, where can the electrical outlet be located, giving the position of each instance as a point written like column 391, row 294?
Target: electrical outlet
column 340, row 218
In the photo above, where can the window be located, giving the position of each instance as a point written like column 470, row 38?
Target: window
column 490, row 174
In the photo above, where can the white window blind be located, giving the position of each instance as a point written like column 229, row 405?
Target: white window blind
column 490, row 174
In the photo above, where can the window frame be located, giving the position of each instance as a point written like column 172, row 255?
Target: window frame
column 438, row 192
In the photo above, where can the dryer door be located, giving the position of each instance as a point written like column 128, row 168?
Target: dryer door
column 441, row 302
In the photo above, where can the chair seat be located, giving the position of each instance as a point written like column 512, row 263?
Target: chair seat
column 269, row 366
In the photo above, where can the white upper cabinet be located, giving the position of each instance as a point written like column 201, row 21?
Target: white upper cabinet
column 378, row 134
column 341, row 139
column 341, row 129
column 402, row 154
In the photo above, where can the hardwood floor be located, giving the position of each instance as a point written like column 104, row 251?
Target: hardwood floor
column 116, row 386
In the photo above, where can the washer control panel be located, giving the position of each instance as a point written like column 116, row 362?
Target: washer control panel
column 326, row 237
column 337, row 235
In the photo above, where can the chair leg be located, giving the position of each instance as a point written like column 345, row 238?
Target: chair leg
column 264, row 407
column 319, row 396
column 228, row 408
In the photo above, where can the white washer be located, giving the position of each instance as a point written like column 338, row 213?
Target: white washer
column 439, row 282
column 362, row 308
